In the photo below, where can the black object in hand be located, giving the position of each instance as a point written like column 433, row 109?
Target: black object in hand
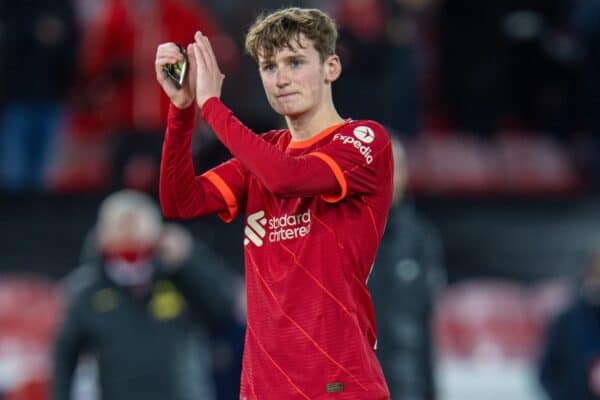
column 176, row 72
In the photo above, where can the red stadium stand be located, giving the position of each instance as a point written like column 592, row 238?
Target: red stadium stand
column 511, row 164
column 29, row 311
column 485, row 329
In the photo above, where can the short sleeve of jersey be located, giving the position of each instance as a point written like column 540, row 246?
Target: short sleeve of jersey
column 360, row 157
column 230, row 180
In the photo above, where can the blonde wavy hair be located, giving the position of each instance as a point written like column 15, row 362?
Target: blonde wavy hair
column 272, row 32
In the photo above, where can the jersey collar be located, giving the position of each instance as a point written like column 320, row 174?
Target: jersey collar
column 303, row 144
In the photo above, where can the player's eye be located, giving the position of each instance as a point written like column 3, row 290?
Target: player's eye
column 295, row 63
column 268, row 67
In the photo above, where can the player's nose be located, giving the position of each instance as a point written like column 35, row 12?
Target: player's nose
column 281, row 79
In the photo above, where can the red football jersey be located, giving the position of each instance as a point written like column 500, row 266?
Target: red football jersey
column 311, row 326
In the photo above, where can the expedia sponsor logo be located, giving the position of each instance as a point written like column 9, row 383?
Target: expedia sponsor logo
column 276, row 229
column 363, row 149
column 364, row 134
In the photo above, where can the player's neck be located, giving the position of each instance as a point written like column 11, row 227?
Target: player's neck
column 307, row 125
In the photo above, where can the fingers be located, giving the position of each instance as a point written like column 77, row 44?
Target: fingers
column 166, row 53
column 211, row 59
column 209, row 79
column 200, row 62
column 204, row 78
column 191, row 61
column 201, row 59
column 207, row 53
column 164, row 60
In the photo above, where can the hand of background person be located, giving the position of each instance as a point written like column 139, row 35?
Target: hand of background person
column 209, row 79
column 168, row 53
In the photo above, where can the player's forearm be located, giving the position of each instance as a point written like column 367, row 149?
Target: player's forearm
column 179, row 192
column 282, row 174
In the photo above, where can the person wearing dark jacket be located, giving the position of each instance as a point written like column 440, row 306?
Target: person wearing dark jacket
column 407, row 275
column 141, row 305
column 570, row 359
column 38, row 48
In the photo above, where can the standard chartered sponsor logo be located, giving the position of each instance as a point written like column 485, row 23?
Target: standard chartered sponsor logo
column 254, row 230
column 287, row 227
column 362, row 148
column 275, row 229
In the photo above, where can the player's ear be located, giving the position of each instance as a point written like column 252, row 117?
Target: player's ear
column 333, row 68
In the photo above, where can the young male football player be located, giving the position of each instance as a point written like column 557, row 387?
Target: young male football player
column 316, row 196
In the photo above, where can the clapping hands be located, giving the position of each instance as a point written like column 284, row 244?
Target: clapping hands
column 204, row 78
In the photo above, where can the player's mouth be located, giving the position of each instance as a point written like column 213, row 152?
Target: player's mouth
column 286, row 96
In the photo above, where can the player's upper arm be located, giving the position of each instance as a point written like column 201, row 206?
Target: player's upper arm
column 360, row 157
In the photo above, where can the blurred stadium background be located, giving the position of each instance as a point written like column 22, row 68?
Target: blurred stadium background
column 496, row 103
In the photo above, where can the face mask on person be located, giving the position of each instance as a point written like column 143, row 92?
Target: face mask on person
column 130, row 267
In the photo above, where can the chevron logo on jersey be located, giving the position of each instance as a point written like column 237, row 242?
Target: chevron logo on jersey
column 255, row 229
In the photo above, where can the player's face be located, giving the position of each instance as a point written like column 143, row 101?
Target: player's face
column 295, row 80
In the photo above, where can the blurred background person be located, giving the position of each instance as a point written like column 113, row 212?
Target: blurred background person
column 570, row 360
column 585, row 17
column 405, row 78
column 38, row 48
column 407, row 275
column 365, row 52
column 508, row 65
column 381, row 51
column 119, row 92
column 141, row 305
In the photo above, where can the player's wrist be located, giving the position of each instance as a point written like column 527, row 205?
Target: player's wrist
column 210, row 107
column 179, row 116
column 183, row 105
column 201, row 101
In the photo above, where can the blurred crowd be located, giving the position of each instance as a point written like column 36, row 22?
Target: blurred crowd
column 80, row 109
